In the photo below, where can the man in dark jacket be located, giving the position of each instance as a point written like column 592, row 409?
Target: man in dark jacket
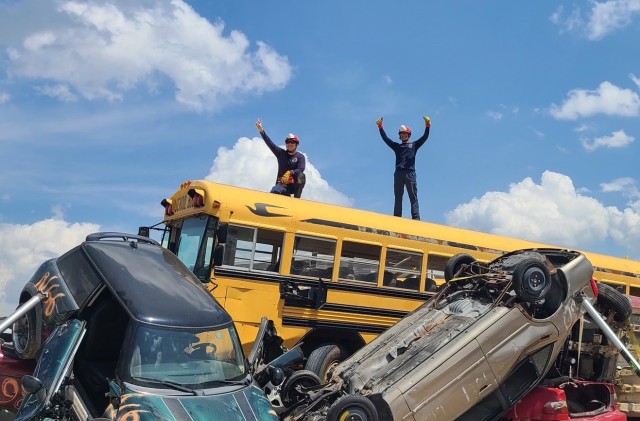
column 290, row 179
column 405, row 174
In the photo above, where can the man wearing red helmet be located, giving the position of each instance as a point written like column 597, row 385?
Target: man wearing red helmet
column 291, row 164
column 405, row 174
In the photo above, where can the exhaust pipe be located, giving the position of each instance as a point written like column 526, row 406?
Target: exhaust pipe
column 609, row 333
column 21, row 311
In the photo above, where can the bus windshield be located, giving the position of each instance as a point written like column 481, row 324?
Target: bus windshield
column 196, row 242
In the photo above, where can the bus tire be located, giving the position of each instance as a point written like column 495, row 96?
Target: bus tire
column 291, row 391
column 323, row 361
column 454, row 264
column 531, row 279
column 25, row 339
column 612, row 300
column 352, row 408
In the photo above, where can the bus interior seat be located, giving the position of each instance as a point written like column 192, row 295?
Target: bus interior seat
column 274, row 267
column 431, row 285
column 297, row 266
column 389, row 279
column 412, row 282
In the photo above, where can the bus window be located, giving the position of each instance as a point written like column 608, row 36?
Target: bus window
column 252, row 248
column 191, row 235
column 435, row 266
column 634, row 291
column 405, row 269
column 360, row 262
column 313, row 257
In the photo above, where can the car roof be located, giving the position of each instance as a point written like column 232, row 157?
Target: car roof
column 153, row 284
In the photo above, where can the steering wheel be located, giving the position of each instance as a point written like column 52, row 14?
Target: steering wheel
column 205, row 346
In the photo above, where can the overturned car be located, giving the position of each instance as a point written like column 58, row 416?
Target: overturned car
column 119, row 329
column 471, row 352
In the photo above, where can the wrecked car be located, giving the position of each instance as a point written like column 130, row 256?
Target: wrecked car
column 123, row 330
column 471, row 352
column 581, row 384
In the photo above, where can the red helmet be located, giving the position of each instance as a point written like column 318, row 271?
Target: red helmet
column 293, row 138
column 405, row 129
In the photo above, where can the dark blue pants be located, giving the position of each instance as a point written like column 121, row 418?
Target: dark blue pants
column 401, row 179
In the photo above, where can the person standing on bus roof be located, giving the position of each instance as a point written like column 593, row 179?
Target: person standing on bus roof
column 405, row 174
column 290, row 179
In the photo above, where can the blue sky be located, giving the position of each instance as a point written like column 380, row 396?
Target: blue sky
column 107, row 106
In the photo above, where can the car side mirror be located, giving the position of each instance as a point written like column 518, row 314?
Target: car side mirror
column 223, row 230
column 34, row 386
column 143, row 231
column 218, row 255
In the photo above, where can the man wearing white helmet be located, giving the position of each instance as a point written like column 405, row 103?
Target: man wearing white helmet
column 405, row 174
column 291, row 163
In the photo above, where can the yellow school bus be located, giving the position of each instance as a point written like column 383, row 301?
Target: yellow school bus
column 330, row 277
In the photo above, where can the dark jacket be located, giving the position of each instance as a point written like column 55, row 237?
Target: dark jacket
column 295, row 162
column 405, row 152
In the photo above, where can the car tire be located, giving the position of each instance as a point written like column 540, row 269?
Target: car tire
column 613, row 300
column 531, row 279
column 352, row 408
column 323, row 360
column 25, row 339
column 454, row 264
column 290, row 392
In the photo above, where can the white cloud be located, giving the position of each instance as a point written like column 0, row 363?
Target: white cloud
column 610, row 15
column 552, row 212
column 607, row 99
column 496, row 115
column 624, row 185
column 4, row 97
column 618, row 139
column 602, row 19
column 59, row 91
column 106, row 49
column 635, row 79
column 24, row 247
column 251, row 164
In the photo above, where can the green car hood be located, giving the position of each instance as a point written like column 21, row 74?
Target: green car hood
column 248, row 404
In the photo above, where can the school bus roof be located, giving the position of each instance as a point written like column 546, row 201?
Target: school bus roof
column 243, row 204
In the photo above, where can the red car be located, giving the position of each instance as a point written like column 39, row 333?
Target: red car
column 11, row 371
column 572, row 400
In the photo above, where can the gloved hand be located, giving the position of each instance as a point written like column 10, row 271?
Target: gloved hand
column 379, row 122
column 287, row 178
column 427, row 120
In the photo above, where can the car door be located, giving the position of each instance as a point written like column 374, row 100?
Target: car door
column 53, row 365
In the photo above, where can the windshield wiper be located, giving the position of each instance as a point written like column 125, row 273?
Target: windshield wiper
column 173, row 385
column 244, row 381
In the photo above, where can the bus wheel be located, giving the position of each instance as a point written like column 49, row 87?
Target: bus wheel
column 455, row 263
column 23, row 334
column 612, row 300
column 293, row 388
column 352, row 408
column 531, row 279
column 323, row 360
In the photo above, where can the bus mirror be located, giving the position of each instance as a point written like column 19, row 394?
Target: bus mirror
column 218, row 254
column 223, row 229
column 143, row 231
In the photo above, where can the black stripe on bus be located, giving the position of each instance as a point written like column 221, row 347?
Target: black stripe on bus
column 356, row 327
column 363, row 310
column 339, row 286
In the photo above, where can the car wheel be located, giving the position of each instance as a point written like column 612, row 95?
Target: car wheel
column 291, row 391
column 323, row 360
column 23, row 333
column 454, row 264
column 531, row 279
column 612, row 300
column 352, row 408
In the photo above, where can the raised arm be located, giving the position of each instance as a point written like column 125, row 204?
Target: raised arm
column 425, row 136
column 274, row 148
column 384, row 136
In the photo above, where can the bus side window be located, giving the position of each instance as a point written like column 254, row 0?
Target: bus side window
column 253, row 248
column 402, row 269
column 435, row 267
column 362, row 261
column 313, row 256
